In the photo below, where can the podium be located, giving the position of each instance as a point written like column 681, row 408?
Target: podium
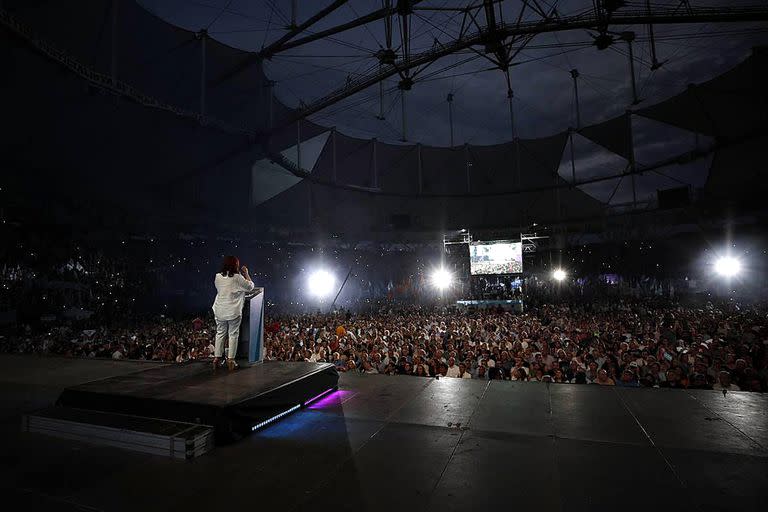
column 250, row 345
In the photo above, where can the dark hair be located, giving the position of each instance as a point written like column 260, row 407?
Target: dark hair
column 230, row 266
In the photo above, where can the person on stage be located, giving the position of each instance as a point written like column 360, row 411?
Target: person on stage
column 232, row 283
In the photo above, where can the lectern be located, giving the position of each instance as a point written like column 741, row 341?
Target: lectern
column 251, row 343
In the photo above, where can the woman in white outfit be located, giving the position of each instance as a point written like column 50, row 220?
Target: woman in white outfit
column 232, row 283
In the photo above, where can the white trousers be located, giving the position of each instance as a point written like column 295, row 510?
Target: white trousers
column 227, row 329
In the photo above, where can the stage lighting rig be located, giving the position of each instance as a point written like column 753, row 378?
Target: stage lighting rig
column 559, row 275
column 441, row 279
column 727, row 266
column 321, row 283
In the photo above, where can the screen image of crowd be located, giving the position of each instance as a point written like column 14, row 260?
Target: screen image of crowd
column 495, row 258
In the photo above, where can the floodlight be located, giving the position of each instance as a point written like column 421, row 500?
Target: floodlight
column 321, row 283
column 441, row 279
column 559, row 274
column 727, row 266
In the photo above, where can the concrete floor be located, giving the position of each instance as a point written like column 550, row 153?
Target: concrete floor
column 407, row 443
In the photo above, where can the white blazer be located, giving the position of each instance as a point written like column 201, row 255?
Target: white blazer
column 230, row 295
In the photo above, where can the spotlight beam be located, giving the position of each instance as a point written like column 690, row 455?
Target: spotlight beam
column 321, row 283
column 441, row 279
column 727, row 266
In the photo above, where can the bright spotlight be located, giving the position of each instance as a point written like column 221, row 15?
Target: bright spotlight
column 559, row 274
column 727, row 266
column 441, row 279
column 321, row 283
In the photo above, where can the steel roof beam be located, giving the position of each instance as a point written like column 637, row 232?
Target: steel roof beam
column 362, row 20
column 276, row 45
column 588, row 21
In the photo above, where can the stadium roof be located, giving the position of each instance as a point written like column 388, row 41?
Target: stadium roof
column 96, row 118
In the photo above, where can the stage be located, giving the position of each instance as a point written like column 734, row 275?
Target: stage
column 233, row 403
column 410, row 443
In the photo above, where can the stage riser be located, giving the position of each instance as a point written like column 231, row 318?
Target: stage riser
column 294, row 394
column 231, row 403
column 184, row 448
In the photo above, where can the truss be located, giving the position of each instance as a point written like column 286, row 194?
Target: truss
column 480, row 32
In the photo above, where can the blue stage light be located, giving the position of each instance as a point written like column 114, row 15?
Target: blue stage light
column 275, row 418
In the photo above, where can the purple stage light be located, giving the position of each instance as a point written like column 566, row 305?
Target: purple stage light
column 332, row 399
column 307, row 402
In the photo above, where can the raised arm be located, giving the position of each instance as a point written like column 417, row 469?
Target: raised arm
column 248, row 282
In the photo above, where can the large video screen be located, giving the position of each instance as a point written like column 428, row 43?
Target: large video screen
column 502, row 257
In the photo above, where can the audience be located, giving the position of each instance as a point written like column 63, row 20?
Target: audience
column 627, row 344
column 159, row 340
column 77, row 302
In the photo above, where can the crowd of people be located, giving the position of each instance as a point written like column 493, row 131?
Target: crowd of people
column 157, row 339
column 58, row 275
column 631, row 344
column 72, row 281
column 636, row 343
column 69, row 297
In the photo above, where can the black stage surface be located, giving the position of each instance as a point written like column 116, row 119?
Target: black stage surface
column 409, row 443
column 232, row 402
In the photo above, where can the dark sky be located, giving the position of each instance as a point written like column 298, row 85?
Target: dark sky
column 543, row 88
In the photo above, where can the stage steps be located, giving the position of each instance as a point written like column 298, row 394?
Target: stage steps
column 174, row 439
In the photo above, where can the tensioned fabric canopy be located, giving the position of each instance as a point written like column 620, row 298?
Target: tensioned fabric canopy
column 184, row 137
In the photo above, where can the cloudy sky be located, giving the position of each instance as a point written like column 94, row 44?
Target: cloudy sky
column 540, row 77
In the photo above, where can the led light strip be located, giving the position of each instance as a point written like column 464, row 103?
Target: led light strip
column 321, row 395
column 275, row 418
